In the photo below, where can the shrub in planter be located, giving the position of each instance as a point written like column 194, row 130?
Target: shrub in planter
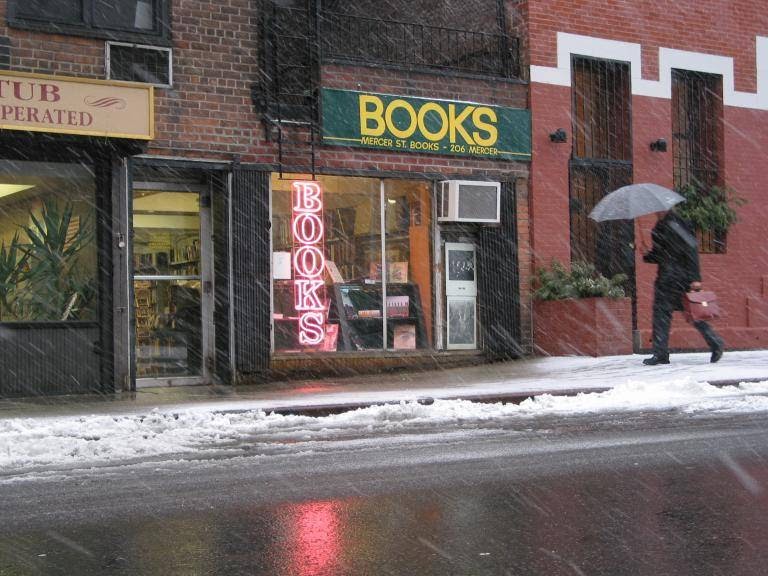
column 581, row 312
column 711, row 210
column 582, row 281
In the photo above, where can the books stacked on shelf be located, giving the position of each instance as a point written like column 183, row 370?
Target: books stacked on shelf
column 282, row 238
column 397, row 306
column 333, row 272
column 331, row 339
column 404, row 337
column 397, row 272
column 143, row 263
column 369, row 313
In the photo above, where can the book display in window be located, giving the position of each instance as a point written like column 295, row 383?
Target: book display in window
column 361, row 320
column 397, row 272
column 405, row 337
column 285, row 320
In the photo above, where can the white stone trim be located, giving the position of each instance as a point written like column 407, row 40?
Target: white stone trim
column 568, row 44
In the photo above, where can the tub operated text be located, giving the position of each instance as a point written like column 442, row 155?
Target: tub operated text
column 35, row 102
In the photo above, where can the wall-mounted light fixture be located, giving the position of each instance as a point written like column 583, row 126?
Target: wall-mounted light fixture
column 659, row 145
column 559, row 136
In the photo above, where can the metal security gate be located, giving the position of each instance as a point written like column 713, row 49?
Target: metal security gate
column 601, row 162
column 499, row 282
column 697, row 106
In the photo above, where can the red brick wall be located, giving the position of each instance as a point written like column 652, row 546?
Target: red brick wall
column 724, row 27
column 550, row 110
column 721, row 27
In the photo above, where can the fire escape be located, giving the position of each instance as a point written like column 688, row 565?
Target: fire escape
column 289, row 93
column 296, row 35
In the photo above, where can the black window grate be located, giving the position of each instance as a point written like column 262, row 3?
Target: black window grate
column 396, row 43
column 601, row 162
column 696, row 139
column 297, row 34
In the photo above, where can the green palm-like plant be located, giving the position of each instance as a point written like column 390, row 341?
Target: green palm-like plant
column 53, row 288
column 12, row 262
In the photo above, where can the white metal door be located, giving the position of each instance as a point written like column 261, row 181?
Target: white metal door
column 461, row 295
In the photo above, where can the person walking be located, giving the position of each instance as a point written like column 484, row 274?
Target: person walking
column 676, row 253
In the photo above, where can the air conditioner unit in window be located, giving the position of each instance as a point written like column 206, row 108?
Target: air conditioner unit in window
column 139, row 63
column 469, row 201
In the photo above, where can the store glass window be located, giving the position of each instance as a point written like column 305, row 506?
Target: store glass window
column 127, row 19
column 48, row 255
column 374, row 291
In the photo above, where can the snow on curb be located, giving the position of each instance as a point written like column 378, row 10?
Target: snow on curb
column 30, row 443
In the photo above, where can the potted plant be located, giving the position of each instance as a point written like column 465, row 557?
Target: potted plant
column 44, row 277
column 12, row 262
column 709, row 210
column 580, row 311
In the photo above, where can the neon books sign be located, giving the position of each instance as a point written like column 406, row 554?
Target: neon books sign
column 309, row 261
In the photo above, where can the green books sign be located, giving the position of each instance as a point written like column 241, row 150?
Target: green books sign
column 408, row 124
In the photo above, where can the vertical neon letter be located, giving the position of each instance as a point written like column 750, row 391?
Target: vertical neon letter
column 309, row 261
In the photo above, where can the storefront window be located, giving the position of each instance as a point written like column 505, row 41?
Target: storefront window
column 376, row 283
column 48, row 256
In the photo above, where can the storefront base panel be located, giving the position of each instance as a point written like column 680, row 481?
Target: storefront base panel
column 339, row 364
column 689, row 339
column 49, row 360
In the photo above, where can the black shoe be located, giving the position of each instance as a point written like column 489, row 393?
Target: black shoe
column 717, row 353
column 654, row 360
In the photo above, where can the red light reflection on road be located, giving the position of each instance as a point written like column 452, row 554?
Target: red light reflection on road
column 316, row 533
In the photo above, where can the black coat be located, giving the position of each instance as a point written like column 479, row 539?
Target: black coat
column 677, row 254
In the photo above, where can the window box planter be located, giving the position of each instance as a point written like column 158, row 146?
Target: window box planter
column 583, row 326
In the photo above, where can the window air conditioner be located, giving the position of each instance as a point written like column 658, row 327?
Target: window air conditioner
column 139, row 63
column 469, row 201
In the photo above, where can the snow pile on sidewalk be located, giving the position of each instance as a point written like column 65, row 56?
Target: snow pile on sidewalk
column 27, row 444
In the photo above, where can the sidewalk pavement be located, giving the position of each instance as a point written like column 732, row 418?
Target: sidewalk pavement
column 499, row 382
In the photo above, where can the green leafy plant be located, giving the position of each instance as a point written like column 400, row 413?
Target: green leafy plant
column 12, row 262
column 51, row 282
column 712, row 209
column 582, row 281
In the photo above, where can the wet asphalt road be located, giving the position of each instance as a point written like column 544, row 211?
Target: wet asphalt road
column 635, row 494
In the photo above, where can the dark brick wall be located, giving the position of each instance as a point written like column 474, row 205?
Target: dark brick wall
column 208, row 113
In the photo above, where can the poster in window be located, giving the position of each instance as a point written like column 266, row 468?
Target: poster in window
column 397, row 273
column 405, row 337
column 461, row 265
column 461, row 323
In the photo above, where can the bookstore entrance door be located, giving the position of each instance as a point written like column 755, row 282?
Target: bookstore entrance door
column 172, row 284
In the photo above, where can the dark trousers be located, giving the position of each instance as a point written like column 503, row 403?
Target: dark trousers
column 663, row 306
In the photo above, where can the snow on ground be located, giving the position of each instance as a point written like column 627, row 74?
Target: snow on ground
column 77, row 441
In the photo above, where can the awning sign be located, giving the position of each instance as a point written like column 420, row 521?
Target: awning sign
column 407, row 124
column 59, row 104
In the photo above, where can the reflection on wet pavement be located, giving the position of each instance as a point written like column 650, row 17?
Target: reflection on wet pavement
column 680, row 520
